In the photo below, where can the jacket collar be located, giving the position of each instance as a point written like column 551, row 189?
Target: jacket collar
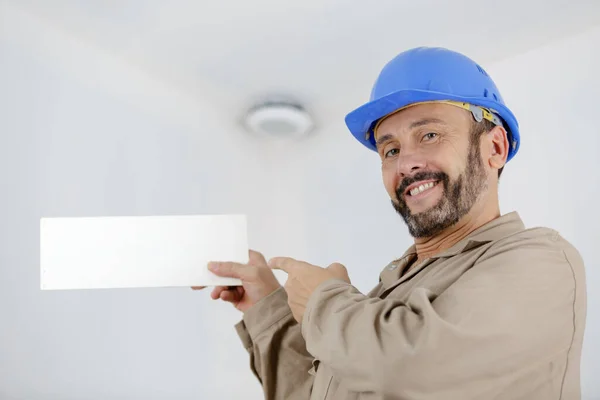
column 496, row 229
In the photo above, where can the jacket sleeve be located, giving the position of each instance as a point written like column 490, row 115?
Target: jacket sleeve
column 514, row 308
column 278, row 355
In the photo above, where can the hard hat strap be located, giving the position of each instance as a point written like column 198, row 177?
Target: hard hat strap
column 479, row 113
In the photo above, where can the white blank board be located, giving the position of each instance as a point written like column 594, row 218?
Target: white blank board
column 134, row 252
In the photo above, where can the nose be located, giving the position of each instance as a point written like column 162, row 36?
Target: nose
column 409, row 164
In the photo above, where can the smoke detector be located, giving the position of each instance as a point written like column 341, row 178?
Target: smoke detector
column 280, row 119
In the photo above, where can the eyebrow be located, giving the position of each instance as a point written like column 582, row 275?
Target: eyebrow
column 383, row 139
column 426, row 121
column 416, row 124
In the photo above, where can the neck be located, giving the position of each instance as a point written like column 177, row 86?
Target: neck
column 428, row 247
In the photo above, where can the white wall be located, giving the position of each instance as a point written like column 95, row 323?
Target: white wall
column 555, row 180
column 83, row 133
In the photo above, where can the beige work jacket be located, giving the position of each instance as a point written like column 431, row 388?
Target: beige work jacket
column 500, row 315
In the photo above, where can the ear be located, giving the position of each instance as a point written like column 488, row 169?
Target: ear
column 497, row 139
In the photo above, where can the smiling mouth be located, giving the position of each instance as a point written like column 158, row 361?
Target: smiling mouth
column 422, row 188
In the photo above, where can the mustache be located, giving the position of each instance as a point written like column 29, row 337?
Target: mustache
column 419, row 176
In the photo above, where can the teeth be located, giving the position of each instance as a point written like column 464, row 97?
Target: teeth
column 422, row 188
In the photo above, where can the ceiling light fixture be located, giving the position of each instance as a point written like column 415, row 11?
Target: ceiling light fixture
column 280, row 119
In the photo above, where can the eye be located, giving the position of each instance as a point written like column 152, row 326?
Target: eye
column 430, row 136
column 391, row 152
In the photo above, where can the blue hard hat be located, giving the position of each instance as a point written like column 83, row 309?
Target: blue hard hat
column 426, row 74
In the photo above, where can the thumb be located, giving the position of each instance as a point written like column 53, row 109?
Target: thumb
column 228, row 269
column 340, row 271
column 256, row 257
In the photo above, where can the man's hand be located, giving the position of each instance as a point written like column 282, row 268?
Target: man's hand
column 303, row 279
column 258, row 281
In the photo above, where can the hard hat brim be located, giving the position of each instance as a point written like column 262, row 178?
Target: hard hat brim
column 361, row 120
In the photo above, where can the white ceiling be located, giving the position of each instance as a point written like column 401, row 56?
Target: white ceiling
column 324, row 52
column 218, row 57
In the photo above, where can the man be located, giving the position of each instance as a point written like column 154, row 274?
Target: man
column 478, row 308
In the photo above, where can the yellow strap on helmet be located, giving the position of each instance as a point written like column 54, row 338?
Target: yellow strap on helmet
column 479, row 113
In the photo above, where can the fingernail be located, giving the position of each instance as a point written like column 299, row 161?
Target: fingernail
column 213, row 266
